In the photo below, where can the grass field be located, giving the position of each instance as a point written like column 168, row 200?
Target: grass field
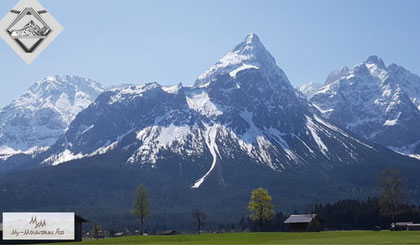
column 339, row 237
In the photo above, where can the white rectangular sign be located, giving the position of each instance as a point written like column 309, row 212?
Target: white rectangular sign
column 38, row 226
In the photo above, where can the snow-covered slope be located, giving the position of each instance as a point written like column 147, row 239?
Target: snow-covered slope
column 40, row 116
column 378, row 102
column 335, row 75
column 241, row 113
column 249, row 54
column 309, row 89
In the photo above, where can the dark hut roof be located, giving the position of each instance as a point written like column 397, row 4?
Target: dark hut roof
column 168, row 232
column 83, row 220
column 300, row 218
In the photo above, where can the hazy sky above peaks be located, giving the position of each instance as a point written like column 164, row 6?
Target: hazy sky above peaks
column 136, row 41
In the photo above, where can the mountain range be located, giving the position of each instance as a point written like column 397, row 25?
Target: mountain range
column 245, row 102
column 377, row 102
column 240, row 126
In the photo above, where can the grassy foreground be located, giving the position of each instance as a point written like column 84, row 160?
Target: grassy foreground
column 339, row 237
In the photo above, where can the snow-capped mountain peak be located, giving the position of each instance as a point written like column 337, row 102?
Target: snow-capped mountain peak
column 380, row 103
column 38, row 117
column 373, row 59
column 249, row 54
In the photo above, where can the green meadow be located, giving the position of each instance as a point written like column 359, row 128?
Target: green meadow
column 336, row 237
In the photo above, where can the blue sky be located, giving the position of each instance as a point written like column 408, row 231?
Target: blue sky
column 136, row 41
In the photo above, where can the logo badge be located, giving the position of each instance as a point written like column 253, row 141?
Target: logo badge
column 38, row 226
column 28, row 29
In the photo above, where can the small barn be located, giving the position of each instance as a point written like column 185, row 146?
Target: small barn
column 168, row 232
column 304, row 222
column 78, row 221
column 413, row 227
column 400, row 226
column 405, row 226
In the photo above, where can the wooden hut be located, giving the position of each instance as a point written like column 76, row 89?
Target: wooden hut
column 304, row 222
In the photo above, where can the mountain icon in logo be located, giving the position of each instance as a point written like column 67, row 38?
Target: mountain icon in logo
column 31, row 30
column 28, row 28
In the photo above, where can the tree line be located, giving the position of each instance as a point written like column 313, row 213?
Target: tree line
column 373, row 213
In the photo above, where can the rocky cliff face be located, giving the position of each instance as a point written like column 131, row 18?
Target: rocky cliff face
column 40, row 116
column 375, row 101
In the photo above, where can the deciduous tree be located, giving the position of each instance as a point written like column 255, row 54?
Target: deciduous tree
column 260, row 206
column 141, row 205
column 392, row 194
column 200, row 219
